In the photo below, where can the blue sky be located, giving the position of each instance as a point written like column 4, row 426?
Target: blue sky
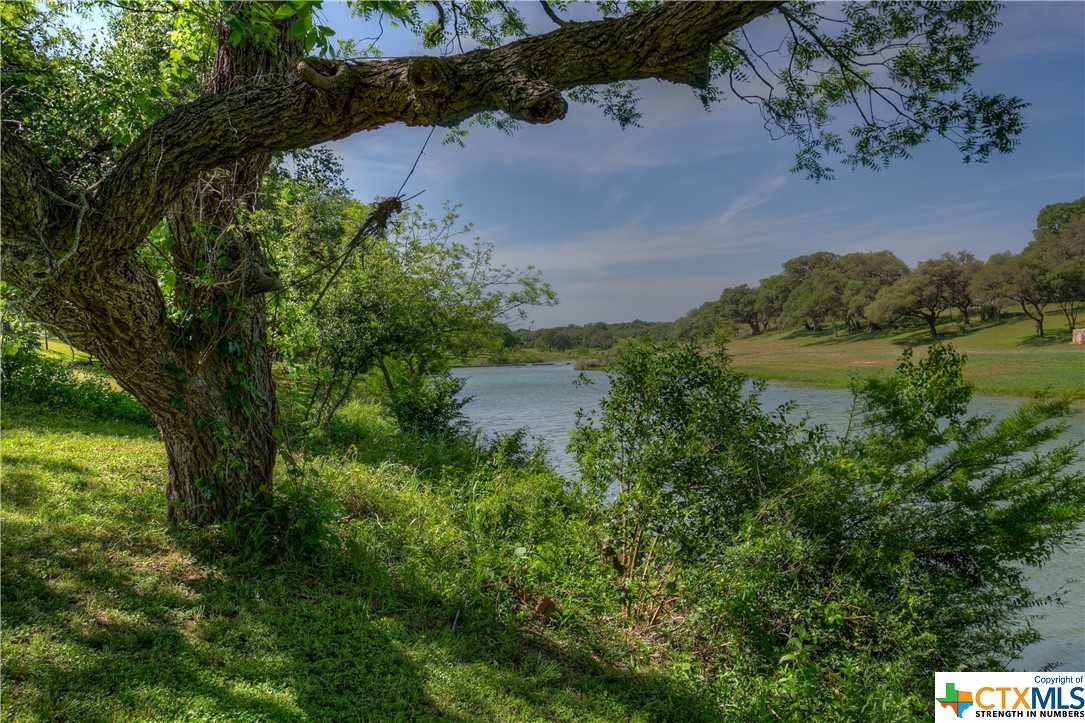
column 650, row 222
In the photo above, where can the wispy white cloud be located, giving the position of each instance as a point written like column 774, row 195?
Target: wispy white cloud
column 652, row 221
column 638, row 270
column 641, row 241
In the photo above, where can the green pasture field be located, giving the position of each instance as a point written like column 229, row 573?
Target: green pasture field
column 1004, row 359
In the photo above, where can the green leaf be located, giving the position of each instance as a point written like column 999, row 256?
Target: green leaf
column 298, row 29
column 286, row 10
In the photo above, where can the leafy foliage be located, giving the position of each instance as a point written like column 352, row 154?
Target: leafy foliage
column 740, row 303
column 432, row 406
column 813, row 561
column 406, row 297
column 82, row 99
column 1057, row 252
column 32, row 380
column 862, row 58
column 923, row 294
column 1050, row 269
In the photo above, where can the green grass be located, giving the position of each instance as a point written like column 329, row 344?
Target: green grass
column 59, row 350
column 110, row 615
column 81, row 363
column 1003, row 359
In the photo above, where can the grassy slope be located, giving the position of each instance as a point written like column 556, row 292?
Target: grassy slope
column 1003, row 359
column 109, row 615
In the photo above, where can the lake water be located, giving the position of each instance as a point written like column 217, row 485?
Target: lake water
column 544, row 399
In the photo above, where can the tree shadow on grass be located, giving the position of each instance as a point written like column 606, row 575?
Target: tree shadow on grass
column 105, row 636
column 900, row 336
column 50, row 421
column 890, row 335
column 22, row 485
column 109, row 616
column 922, row 337
column 1051, row 337
column 121, row 640
column 802, row 334
column 847, row 338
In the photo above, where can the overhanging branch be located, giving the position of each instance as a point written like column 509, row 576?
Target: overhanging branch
column 325, row 101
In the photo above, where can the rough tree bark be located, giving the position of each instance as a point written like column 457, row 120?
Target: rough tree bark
column 931, row 317
column 220, row 433
column 206, row 377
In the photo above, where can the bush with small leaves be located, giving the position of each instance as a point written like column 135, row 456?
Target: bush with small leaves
column 828, row 573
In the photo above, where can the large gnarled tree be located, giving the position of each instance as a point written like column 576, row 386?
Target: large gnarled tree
column 75, row 239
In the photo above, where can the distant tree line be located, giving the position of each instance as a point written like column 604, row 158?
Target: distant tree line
column 599, row 335
column 868, row 291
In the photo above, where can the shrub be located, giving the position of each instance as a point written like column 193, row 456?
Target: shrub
column 298, row 523
column 31, row 379
column 432, row 407
column 19, row 346
column 817, row 566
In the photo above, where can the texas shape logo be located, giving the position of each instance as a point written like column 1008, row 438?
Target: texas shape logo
column 957, row 700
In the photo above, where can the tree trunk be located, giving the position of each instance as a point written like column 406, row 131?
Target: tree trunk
column 1070, row 311
column 930, row 318
column 220, row 437
column 1038, row 317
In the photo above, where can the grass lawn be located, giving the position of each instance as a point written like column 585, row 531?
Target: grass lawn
column 59, row 350
column 110, row 615
column 1003, row 359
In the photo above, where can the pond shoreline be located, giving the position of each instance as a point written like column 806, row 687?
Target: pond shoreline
column 544, row 399
column 1077, row 403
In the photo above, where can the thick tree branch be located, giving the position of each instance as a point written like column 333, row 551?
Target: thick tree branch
column 109, row 311
column 31, row 199
column 327, row 101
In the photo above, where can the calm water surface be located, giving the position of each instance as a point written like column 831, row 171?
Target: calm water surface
column 544, row 399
